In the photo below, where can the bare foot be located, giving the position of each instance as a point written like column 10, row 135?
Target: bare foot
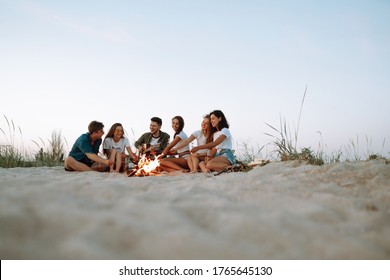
column 203, row 167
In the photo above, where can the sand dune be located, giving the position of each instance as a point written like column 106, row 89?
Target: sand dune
column 284, row 210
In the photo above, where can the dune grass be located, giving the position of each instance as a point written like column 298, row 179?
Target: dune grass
column 14, row 154
column 285, row 146
column 247, row 154
column 10, row 155
column 52, row 154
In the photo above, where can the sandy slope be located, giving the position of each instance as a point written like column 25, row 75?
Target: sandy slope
column 283, row 210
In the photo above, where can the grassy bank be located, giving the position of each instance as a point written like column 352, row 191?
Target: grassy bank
column 14, row 154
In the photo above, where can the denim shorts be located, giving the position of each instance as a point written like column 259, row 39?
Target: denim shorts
column 227, row 153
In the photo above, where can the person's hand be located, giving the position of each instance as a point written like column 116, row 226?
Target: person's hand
column 199, row 155
column 173, row 151
column 134, row 157
column 194, row 149
column 108, row 162
column 160, row 156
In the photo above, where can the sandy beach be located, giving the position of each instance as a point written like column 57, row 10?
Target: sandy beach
column 284, row 210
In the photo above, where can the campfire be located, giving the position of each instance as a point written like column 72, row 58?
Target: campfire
column 145, row 167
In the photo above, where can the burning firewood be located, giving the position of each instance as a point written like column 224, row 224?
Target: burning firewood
column 145, row 167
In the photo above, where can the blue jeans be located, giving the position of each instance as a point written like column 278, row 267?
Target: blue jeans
column 227, row 153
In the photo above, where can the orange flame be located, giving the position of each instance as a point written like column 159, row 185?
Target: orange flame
column 147, row 167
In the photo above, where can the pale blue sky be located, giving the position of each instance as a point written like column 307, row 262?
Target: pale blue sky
column 66, row 63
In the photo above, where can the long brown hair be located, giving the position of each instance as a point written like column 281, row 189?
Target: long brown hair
column 110, row 133
column 209, row 133
column 223, row 122
column 181, row 125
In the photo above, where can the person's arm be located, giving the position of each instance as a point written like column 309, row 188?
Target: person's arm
column 210, row 145
column 86, row 148
column 163, row 144
column 132, row 155
column 107, row 147
column 96, row 158
column 167, row 150
column 107, row 152
column 126, row 144
column 140, row 141
column 183, row 143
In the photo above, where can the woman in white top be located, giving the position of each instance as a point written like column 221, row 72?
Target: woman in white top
column 114, row 147
column 222, row 145
column 202, row 136
column 176, row 161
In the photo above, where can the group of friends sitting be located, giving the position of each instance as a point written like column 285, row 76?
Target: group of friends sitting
column 213, row 150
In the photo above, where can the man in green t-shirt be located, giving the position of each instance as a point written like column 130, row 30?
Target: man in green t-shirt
column 155, row 141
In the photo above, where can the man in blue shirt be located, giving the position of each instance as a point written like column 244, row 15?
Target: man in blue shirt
column 84, row 153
